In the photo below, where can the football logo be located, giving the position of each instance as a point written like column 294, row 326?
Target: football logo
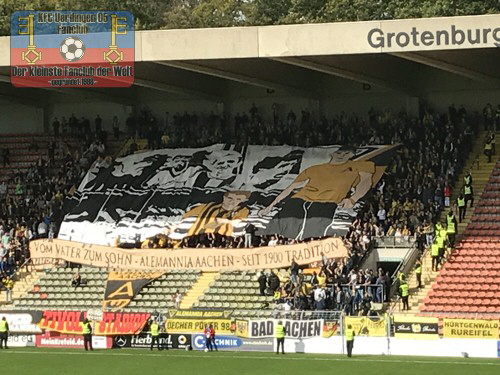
column 72, row 49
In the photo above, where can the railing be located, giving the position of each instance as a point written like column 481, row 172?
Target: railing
column 308, row 314
column 20, row 269
column 405, row 266
column 394, row 241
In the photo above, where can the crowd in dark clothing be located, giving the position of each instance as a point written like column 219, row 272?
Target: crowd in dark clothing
column 409, row 197
column 416, row 186
column 335, row 287
column 32, row 201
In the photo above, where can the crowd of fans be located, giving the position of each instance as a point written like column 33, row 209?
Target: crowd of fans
column 413, row 190
column 335, row 287
column 32, row 201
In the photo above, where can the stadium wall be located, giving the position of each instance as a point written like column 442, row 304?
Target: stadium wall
column 19, row 118
column 90, row 109
column 392, row 346
column 472, row 100
column 349, row 99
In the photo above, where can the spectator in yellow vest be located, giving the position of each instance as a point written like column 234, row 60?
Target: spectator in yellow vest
column 349, row 340
column 87, row 334
column 469, row 195
column 280, row 333
column 435, row 255
column 8, row 285
column 418, row 274
column 4, row 333
column 462, row 208
column 405, row 292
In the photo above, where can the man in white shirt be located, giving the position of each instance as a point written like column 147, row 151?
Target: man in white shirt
column 273, row 241
column 381, row 215
column 319, row 298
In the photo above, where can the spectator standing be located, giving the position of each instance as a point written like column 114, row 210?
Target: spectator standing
column 319, row 298
column 294, row 271
column 468, row 178
column 451, row 228
column 56, row 125
column 87, row 335
column 208, row 338
column 447, row 195
column 382, row 216
column 176, row 299
column 154, row 328
column 9, row 285
column 212, row 337
column 349, row 340
column 274, row 282
column 339, row 298
column 280, row 333
column 435, row 256
column 488, row 147
column 418, row 274
column 405, row 292
column 4, row 333
column 462, row 207
column 262, row 280
column 98, row 125
column 116, row 127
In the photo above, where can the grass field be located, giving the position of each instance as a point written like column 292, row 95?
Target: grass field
column 37, row 361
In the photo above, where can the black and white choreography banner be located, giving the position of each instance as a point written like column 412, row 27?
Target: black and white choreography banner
column 300, row 193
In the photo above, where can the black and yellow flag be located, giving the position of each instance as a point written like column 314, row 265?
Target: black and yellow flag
column 122, row 287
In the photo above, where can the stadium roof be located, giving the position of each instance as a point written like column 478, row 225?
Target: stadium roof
column 411, row 57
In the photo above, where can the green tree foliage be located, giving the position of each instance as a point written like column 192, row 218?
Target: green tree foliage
column 206, row 13
column 158, row 14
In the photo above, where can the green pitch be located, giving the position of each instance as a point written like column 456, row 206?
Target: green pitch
column 37, row 361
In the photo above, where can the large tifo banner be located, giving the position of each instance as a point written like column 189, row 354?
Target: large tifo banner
column 45, row 251
column 297, row 192
column 122, row 287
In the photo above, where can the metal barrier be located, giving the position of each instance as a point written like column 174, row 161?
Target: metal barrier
column 405, row 266
column 308, row 314
column 394, row 241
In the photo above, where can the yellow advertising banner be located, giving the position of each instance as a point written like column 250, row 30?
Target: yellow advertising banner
column 46, row 251
column 367, row 326
column 415, row 327
column 470, row 329
column 221, row 326
column 199, row 314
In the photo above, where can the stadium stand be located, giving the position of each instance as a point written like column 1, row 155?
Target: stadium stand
column 469, row 281
column 407, row 192
column 54, row 289
column 480, row 170
column 236, row 291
